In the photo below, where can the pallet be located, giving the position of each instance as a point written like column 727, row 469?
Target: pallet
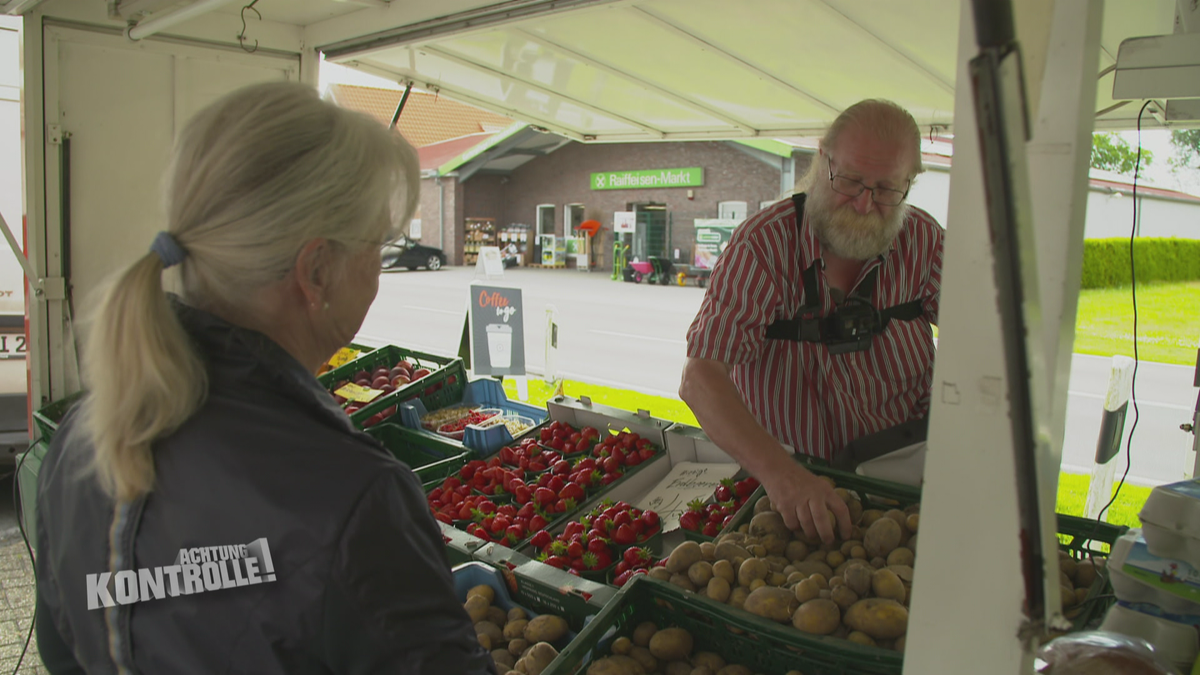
column 546, row 266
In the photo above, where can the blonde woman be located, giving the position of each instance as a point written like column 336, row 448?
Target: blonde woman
column 207, row 508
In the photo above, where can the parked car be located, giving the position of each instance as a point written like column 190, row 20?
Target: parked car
column 410, row 254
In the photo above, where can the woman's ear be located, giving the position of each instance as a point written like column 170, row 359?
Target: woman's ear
column 312, row 273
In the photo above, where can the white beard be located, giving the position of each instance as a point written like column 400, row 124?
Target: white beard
column 845, row 233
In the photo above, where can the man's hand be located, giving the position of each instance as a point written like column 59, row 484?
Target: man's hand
column 805, row 500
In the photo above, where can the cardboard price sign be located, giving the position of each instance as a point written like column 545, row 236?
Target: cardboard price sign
column 357, row 392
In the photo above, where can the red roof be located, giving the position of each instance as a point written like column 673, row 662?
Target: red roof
column 437, row 154
column 426, row 119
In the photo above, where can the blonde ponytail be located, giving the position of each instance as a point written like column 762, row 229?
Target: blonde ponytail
column 143, row 376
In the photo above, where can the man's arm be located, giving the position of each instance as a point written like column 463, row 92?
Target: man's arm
column 804, row 500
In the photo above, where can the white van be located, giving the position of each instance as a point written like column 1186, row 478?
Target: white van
column 14, row 380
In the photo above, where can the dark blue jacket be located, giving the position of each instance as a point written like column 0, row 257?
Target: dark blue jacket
column 361, row 580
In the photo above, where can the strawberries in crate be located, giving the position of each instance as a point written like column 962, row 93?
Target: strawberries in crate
column 707, row 519
column 564, row 438
column 634, row 561
column 528, row 455
column 453, row 503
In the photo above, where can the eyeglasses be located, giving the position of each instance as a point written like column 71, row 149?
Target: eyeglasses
column 853, row 188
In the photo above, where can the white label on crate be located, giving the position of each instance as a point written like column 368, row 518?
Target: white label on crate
column 687, row 481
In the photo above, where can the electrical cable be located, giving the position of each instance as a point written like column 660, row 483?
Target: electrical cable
column 1133, row 290
column 29, row 549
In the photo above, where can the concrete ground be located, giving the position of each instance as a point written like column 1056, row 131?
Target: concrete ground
column 16, row 607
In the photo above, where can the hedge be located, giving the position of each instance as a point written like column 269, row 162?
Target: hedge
column 1106, row 261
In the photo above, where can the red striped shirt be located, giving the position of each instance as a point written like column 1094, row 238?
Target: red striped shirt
column 804, row 396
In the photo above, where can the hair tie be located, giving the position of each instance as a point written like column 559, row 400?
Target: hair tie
column 168, row 249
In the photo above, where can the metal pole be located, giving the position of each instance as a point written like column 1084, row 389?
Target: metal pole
column 400, row 107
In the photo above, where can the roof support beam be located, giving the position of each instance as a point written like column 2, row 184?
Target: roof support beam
column 502, row 148
column 654, row 87
column 922, row 68
column 404, row 78
column 740, row 61
column 444, row 53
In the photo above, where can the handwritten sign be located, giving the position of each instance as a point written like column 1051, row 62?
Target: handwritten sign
column 355, row 392
column 497, row 321
column 343, row 356
column 687, row 481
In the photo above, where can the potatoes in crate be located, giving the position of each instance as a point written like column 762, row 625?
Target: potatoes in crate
column 648, row 650
column 517, row 643
column 858, row 589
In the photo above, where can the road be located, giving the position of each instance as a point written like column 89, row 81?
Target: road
column 632, row 336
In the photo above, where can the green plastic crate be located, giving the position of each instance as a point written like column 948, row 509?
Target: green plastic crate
column 48, row 418
column 739, row 637
column 383, row 356
column 436, row 390
column 28, row 466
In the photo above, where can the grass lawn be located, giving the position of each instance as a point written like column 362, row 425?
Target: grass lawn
column 1072, row 488
column 1168, row 323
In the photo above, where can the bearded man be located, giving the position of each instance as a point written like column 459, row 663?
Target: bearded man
column 815, row 329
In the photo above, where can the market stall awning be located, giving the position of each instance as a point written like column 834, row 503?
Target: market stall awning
column 704, row 69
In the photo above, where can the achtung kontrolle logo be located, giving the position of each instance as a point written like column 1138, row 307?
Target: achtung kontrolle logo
column 206, row 568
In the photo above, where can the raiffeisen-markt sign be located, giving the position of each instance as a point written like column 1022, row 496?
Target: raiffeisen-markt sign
column 650, row 178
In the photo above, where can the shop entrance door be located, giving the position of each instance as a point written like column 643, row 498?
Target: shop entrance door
column 544, row 234
column 651, row 236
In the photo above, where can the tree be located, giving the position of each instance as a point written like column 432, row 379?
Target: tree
column 1187, row 148
column 1112, row 153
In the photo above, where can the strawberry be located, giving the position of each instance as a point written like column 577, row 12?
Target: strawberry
column 537, row 522
column 591, row 561
column 575, row 550
column 541, row 539
column 725, row 490
column 572, row 491
column 556, row 561
column 745, row 487
column 711, row 529
column 651, row 520
column 624, row 535
column 637, row 557
column 597, row 545
column 543, row 496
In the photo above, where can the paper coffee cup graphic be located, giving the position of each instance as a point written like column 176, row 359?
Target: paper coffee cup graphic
column 499, row 338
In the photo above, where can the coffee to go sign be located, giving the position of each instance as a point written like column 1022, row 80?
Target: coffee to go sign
column 651, row 178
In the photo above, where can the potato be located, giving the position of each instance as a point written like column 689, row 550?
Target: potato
column 885, row 584
column 485, row 640
column 807, row 590
column 903, row 571
column 516, row 614
column 735, row 669
column 700, row 572
column 622, row 646
column 616, row 665
column 858, row 553
column 643, row 633
column 710, row 660
column 774, row 545
column 882, row 537
column 671, row 644
column 843, row 597
column 900, row 642
column 880, row 618
column 820, row 580
column 659, row 573
column 682, row 581
column 546, row 628
column 1081, row 594
column 477, row 607
column 535, row 661
column 725, row 570
column 737, row 597
column 775, row 579
column 856, row 510
column 644, row 657
column 518, row 647
column 751, row 569
column 730, row 551
column 708, row 550
column 817, row 556
column 497, row 616
column 911, row 544
column 768, row 523
column 878, row 563
column 794, row 578
column 809, row 568
column 679, row 668
column 1068, row 595
column 492, row 631
column 834, row 559
column 763, row 504
column 901, row 556
column 818, row 617
column 1085, row 573
column 796, row 550
column 869, row 517
column 504, row 660
column 776, row 604
column 718, row 589
column 861, row 638
column 756, row 584
column 683, row 557
column 858, row 578
column 515, row 629
column 488, row 593
column 912, row 521
column 899, row 516
column 701, row 670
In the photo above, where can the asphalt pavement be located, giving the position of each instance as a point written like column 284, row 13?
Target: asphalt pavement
column 632, row 336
